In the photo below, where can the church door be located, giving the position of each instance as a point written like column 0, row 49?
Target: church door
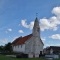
column 40, row 52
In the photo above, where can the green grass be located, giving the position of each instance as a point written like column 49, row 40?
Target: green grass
column 57, row 59
column 3, row 57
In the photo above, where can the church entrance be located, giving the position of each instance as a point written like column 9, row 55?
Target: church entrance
column 33, row 55
column 40, row 52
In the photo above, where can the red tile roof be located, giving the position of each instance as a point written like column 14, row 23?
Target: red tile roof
column 21, row 40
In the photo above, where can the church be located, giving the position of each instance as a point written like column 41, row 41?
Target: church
column 30, row 44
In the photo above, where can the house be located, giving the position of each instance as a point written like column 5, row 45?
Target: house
column 52, row 50
column 30, row 44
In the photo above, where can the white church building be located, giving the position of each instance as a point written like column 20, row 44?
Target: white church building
column 30, row 44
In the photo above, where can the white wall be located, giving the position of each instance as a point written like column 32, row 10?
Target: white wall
column 19, row 48
column 28, row 46
column 33, row 45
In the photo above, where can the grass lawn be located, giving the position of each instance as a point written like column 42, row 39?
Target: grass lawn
column 56, row 59
column 3, row 57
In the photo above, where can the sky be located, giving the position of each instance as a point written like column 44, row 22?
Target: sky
column 17, row 19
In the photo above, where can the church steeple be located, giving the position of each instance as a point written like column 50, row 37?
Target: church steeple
column 36, row 28
column 36, row 23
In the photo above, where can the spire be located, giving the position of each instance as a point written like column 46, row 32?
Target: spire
column 36, row 23
column 36, row 28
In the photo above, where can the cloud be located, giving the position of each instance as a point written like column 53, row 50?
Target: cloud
column 56, row 11
column 31, row 25
column 10, row 29
column 20, row 31
column 44, row 24
column 56, row 36
column 24, row 24
column 51, row 23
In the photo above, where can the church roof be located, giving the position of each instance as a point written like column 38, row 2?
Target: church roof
column 21, row 40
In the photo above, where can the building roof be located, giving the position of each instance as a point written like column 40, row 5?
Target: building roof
column 53, row 47
column 21, row 40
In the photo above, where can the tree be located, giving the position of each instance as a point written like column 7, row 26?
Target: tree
column 8, row 47
column 1, row 48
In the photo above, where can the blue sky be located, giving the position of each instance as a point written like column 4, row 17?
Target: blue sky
column 17, row 19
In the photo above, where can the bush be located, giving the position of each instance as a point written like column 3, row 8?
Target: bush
column 41, row 55
column 22, row 55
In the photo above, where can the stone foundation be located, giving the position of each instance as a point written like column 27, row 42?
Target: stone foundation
column 33, row 56
column 30, row 55
column 37, row 55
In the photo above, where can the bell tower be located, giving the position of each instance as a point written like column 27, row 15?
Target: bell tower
column 36, row 28
column 35, row 45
